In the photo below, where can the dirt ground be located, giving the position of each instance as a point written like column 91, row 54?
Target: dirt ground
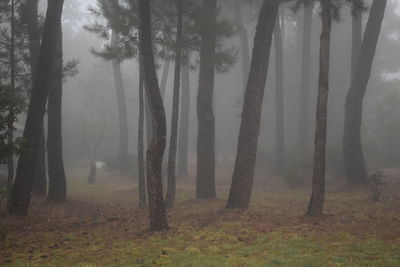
column 101, row 225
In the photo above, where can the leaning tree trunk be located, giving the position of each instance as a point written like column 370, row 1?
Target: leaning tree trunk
column 30, row 14
column 315, row 206
column 10, row 118
column 141, row 169
column 184, row 118
column 122, row 157
column 205, row 176
column 305, row 79
column 244, row 41
column 243, row 175
column 22, row 189
column 158, row 219
column 171, row 175
column 164, row 77
column 354, row 163
column 279, row 105
column 57, row 179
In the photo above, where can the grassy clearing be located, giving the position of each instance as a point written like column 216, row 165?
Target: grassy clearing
column 101, row 226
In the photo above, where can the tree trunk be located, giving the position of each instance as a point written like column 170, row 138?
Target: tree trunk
column 354, row 163
column 57, row 179
column 171, row 175
column 244, row 42
column 243, row 175
column 315, row 206
column 164, row 77
column 184, row 118
column 141, row 170
column 31, row 17
column 279, row 105
column 92, row 173
column 305, row 80
column 122, row 157
column 158, row 219
column 10, row 118
column 22, row 189
column 205, row 176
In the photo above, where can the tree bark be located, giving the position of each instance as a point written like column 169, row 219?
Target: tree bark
column 10, row 118
column 141, row 168
column 205, row 176
column 171, row 175
column 305, row 80
column 243, row 175
column 22, row 189
column 57, row 179
column 316, row 203
column 122, row 157
column 244, row 41
column 158, row 219
column 184, row 123
column 30, row 13
column 279, row 105
column 354, row 163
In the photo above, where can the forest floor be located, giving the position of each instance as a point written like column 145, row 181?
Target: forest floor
column 100, row 225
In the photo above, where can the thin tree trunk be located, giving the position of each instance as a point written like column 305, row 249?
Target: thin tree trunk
column 31, row 17
column 22, row 189
column 243, row 175
column 10, row 119
column 305, row 80
column 158, row 219
column 279, row 105
column 184, row 118
column 171, row 175
column 354, row 163
column 244, row 42
column 316, row 203
column 141, row 169
column 122, row 157
column 57, row 179
column 205, row 176
column 164, row 77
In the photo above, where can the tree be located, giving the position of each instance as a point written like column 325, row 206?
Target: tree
column 205, row 173
column 22, row 189
column 316, row 203
column 158, row 219
column 171, row 174
column 243, row 175
column 353, row 155
column 57, row 179
column 31, row 21
column 184, row 117
column 279, row 105
column 141, row 168
column 305, row 77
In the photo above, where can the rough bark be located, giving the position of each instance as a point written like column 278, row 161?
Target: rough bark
column 243, row 175
column 141, row 168
column 171, row 174
column 279, row 105
column 205, row 173
column 22, row 189
column 10, row 119
column 122, row 157
column 184, row 122
column 158, row 219
column 55, row 165
column 354, row 163
column 30, row 14
column 244, row 41
column 305, row 80
column 316, row 203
